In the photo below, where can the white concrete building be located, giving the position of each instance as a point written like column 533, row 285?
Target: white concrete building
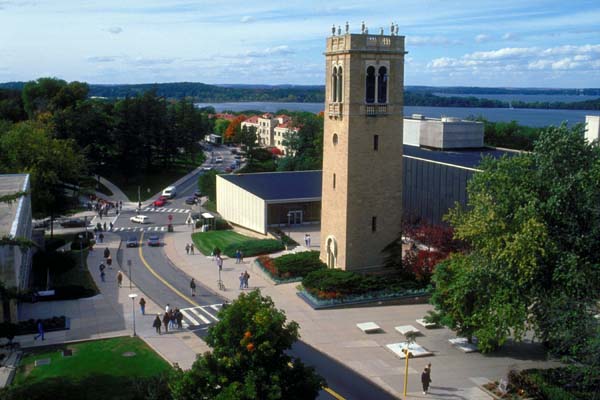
column 592, row 127
column 442, row 133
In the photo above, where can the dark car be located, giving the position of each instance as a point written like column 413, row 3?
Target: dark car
column 233, row 166
column 132, row 241
column 73, row 223
column 190, row 200
column 153, row 240
column 197, row 193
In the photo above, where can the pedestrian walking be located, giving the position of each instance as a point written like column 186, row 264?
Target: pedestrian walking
column 306, row 240
column 241, row 256
column 241, row 280
column 143, row 306
column 167, row 308
column 101, row 237
column 192, row 248
column 102, row 267
column 120, row 278
column 104, row 227
column 238, row 256
column 187, row 248
column 40, row 329
column 166, row 320
column 111, row 226
column 102, row 276
column 246, row 278
column 173, row 320
column 193, row 287
column 179, row 319
column 220, row 263
column 109, row 262
column 106, row 253
column 426, row 379
column 121, row 205
column 156, row 324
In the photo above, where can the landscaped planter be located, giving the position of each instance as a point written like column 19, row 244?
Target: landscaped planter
column 420, row 296
column 275, row 279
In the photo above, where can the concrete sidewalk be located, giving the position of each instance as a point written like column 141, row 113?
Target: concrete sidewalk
column 455, row 375
column 110, row 314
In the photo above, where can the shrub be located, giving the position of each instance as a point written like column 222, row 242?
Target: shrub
column 221, row 224
column 54, row 243
column 554, row 383
column 59, row 262
column 254, row 247
column 299, row 264
column 287, row 240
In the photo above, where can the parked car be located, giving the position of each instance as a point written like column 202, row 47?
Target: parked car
column 228, row 170
column 237, row 157
column 170, row 192
column 218, row 160
column 233, row 166
column 140, row 219
column 73, row 223
column 190, row 200
column 153, row 240
column 132, row 241
column 197, row 193
column 159, row 202
column 233, row 151
column 207, row 168
column 41, row 223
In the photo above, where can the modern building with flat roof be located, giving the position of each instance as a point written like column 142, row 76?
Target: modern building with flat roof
column 15, row 222
column 262, row 200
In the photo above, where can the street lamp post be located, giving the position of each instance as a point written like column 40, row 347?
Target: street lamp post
column 408, row 355
column 130, row 278
column 132, row 296
column 80, row 236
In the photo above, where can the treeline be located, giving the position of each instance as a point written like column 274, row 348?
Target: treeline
column 513, row 91
column 509, row 135
column 56, row 121
column 431, row 100
column 559, row 105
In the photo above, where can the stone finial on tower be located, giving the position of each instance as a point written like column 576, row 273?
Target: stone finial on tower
column 333, row 29
column 339, row 30
column 381, row 31
column 392, row 29
column 396, row 29
column 362, row 27
column 347, row 27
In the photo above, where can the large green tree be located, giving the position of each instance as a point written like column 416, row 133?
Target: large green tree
column 249, row 358
column 533, row 225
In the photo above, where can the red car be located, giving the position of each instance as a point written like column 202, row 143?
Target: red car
column 159, row 202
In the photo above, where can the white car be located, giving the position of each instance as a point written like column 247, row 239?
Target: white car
column 218, row 160
column 140, row 219
column 170, row 192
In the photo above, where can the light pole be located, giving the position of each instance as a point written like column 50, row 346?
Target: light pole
column 80, row 236
column 132, row 296
column 408, row 355
column 139, row 198
column 130, row 278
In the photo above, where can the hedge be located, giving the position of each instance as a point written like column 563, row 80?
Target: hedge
column 298, row 264
column 336, row 283
column 555, row 383
column 254, row 247
column 50, row 324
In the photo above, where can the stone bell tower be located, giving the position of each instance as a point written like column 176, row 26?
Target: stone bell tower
column 362, row 147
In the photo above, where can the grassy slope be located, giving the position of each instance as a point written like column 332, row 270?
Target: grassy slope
column 207, row 241
column 101, row 357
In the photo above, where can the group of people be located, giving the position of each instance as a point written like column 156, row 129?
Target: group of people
column 171, row 318
column 102, row 207
column 244, row 277
column 239, row 256
column 189, row 248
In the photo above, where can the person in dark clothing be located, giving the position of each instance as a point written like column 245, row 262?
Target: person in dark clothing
column 40, row 328
column 156, row 324
column 165, row 320
column 193, row 287
column 179, row 318
column 426, row 379
column 143, row 306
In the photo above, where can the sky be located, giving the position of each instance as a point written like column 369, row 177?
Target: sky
column 508, row 43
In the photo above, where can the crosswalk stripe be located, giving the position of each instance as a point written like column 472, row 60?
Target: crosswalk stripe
column 162, row 229
column 209, row 314
column 189, row 317
column 155, row 228
column 216, row 307
column 197, row 314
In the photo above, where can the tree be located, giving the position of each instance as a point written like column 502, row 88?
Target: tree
column 305, row 146
column 221, row 126
column 249, row 358
column 207, row 183
column 233, row 130
column 533, row 226
column 51, row 94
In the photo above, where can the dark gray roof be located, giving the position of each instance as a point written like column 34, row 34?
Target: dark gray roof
column 273, row 186
column 469, row 158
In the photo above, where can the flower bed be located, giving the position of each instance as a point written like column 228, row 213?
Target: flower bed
column 334, row 299
column 290, row 267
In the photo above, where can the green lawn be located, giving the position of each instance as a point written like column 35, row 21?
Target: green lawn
column 97, row 368
column 207, row 241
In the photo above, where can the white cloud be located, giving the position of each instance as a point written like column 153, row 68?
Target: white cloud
column 481, row 38
column 101, row 59
column 500, row 54
column 247, row 18
column 510, row 36
column 115, row 30
column 429, row 40
column 270, row 51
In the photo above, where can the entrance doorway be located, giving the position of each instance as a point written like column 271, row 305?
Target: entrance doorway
column 295, row 217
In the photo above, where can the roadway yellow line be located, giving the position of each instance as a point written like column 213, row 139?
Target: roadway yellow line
column 160, row 278
column 333, row 393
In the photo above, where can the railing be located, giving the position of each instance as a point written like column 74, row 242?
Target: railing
column 373, row 110
column 382, row 41
column 335, row 110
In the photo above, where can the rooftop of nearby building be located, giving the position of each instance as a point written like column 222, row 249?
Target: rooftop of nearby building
column 279, row 186
column 252, row 120
column 468, row 158
column 10, row 184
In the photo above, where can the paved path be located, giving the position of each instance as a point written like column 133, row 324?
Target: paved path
column 455, row 375
column 110, row 314
column 117, row 193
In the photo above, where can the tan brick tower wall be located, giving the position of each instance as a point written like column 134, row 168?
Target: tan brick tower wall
column 368, row 183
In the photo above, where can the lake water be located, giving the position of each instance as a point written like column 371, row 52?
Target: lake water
column 528, row 98
column 528, row 117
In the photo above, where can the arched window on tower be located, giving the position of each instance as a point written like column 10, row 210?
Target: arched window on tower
column 340, row 84
column 370, row 85
column 382, row 79
column 334, row 89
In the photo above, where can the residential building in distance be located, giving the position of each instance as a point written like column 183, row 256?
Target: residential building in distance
column 442, row 133
column 282, row 133
column 15, row 222
column 271, row 130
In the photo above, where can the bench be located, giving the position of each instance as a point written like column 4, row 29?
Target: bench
column 368, row 327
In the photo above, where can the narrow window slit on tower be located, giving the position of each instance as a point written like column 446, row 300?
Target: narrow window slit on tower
column 334, row 181
column 375, row 142
column 373, row 224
